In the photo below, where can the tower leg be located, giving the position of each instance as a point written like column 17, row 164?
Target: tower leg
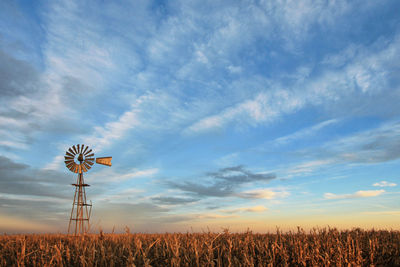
column 77, row 217
column 87, row 229
column 72, row 210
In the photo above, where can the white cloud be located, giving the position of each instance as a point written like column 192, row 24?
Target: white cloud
column 234, row 69
column 113, row 131
column 123, row 196
column 384, row 184
column 228, row 160
column 358, row 194
column 307, row 167
column 212, row 216
column 201, row 57
column 247, row 209
column 56, row 164
column 255, row 209
column 137, row 174
column 265, row 193
column 264, row 107
column 16, row 144
column 112, row 175
column 305, row 132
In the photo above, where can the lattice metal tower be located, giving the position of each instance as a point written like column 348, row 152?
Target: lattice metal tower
column 79, row 160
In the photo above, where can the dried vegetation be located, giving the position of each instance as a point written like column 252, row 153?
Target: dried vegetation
column 322, row 247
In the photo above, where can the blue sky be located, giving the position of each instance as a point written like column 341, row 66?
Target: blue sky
column 218, row 114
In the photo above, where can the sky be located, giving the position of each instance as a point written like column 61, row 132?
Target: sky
column 218, row 114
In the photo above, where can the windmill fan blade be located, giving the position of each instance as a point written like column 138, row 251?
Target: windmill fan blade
column 68, row 158
column 72, row 152
column 74, row 148
column 69, row 154
column 91, row 155
column 83, row 167
column 88, row 152
column 69, row 165
column 87, row 166
column 85, row 150
column 89, row 162
column 90, row 159
column 79, row 149
column 68, row 162
column 104, row 161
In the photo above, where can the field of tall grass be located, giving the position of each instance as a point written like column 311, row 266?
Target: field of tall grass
column 319, row 247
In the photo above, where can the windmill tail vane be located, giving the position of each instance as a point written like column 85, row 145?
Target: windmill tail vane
column 79, row 159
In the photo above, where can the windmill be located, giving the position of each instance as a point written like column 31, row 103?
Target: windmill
column 80, row 159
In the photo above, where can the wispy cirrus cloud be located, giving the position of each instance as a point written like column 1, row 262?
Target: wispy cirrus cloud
column 264, row 107
column 110, row 175
column 364, row 76
column 308, row 167
column 384, row 184
column 305, row 132
column 358, row 194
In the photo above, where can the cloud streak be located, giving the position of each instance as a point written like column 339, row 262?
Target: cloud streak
column 305, row 132
column 255, row 209
column 262, row 108
column 173, row 200
column 384, row 184
column 265, row 193
column 358, row 194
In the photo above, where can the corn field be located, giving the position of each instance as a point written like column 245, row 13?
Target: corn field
column 319, row 247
